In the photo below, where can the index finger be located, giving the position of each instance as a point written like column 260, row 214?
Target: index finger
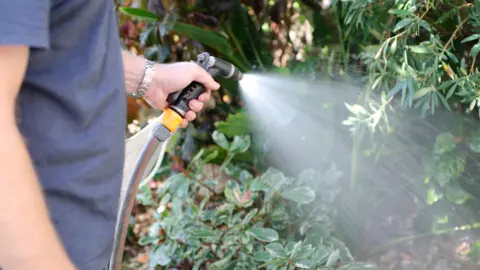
column 203, row 77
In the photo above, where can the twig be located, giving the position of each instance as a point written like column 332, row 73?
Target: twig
column 473, row 64
column 426, row 10
column 452, row 37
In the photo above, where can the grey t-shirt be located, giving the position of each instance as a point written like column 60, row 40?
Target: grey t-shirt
column 71, row 111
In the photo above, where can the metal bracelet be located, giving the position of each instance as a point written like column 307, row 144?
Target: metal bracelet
column 147, row 78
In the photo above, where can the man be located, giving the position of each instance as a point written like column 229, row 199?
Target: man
column 62, row 102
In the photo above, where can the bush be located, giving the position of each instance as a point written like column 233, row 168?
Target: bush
column 418, row 58
column 215, row 216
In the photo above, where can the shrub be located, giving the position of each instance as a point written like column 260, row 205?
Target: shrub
column 221, row 216
column 419, row 58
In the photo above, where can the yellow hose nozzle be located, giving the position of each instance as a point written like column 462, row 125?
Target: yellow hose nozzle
column 169, row 123
column 171, row 120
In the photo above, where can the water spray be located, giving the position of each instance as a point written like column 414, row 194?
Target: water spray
column 170, row 121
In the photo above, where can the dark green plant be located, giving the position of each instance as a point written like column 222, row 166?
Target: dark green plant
column 417, row 55
column 421, row 58
column 234, row 218
column 418, row 58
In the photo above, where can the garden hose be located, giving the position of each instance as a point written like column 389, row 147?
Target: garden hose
column 170, row 121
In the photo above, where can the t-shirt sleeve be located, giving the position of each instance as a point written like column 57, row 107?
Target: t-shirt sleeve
column 25, row 22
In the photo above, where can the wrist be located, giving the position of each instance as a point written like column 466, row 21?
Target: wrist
column 146, row 81
column 138, row 73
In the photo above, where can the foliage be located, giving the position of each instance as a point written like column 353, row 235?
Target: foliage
column 445, row 166
column 421, row 58
column 418, row 58
column 235, row 220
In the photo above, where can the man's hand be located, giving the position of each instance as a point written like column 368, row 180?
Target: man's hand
column 169, row 78
column 27, row 237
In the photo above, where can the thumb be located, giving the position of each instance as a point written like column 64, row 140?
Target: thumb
column 203, row 77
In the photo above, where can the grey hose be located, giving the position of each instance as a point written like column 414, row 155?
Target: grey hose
column 140, row 175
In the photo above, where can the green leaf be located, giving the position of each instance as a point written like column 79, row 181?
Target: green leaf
column 452, row 56
column 419, row 49
column 258, row 185
column 276, row 250
column 393, row 48
column 402, row 24
column 220, row 264
column 304, row 264
column 159, row 255
column 234, row 194
column 447, row 167
column 332, row 258
column 321, row 254
column 177, row 206
column 425, row 25
column 249, row 216
column 144, row 196
column 197, row 157
column 177, row 185
column 202, row 253
column 400, row 12
column 198, row 264
column 232, row 191
column 455, row 193
column 445, row 84
column 206, row 37
column 444, row 143
column 211, row 156
column 398, row 86
column 273, row 178
column 422, row 92
column 148, row 240
column 139, row 13
column 451, row 91
column 470, row 38
column 475, row 50
column 264, row 234
column 235, row 125
column 220, row 139
column 262, row 256
column 301, row 195
column 443, row 100
column 201, row 232
column 345, row 255
column 240, row 144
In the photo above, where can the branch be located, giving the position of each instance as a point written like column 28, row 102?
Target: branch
column 452, row 37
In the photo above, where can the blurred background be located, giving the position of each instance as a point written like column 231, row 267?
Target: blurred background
column 378, row 169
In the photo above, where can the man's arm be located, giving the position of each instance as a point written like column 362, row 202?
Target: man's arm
column 27, row 237
column 134, row 68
